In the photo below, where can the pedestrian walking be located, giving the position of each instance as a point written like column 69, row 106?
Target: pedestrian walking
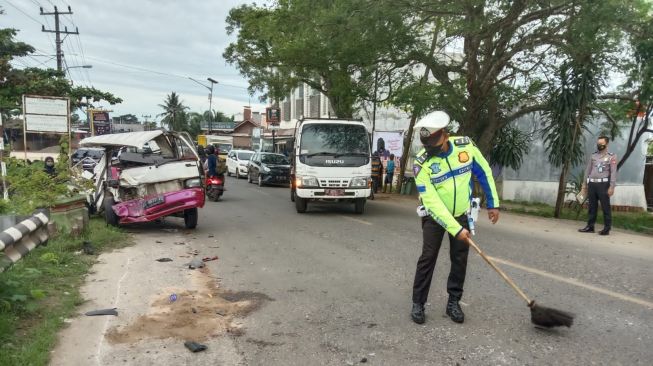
column 377, row 171
column 389, row 173
column 443, row 173
column 598, row 185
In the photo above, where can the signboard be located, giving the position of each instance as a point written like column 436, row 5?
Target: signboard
column 46, row 106
column 388, row 142
column 44, row 123
column 45, row 114
column 273, row 115
column 101, row 122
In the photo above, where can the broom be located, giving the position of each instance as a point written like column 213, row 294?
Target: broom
column 540, row 315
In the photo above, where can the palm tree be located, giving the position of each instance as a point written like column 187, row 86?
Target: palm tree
column 569, row 108
column 174, row 115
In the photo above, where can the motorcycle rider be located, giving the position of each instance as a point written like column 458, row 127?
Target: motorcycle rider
column 211, row 161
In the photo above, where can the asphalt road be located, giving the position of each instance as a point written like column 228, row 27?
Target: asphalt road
column 334, row 288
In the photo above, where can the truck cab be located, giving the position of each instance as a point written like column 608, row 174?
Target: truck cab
column 331, row 162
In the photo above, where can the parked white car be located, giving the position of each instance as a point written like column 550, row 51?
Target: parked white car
column 237, row 161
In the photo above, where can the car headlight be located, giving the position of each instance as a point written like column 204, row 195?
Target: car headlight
column 359, row 182
column 265, row 169
column 306, row 182
column 193, row 183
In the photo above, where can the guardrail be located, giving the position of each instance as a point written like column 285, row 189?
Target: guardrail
column 22, row 238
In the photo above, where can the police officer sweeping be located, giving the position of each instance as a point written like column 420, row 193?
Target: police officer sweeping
column 601, row 178
column 443, row 173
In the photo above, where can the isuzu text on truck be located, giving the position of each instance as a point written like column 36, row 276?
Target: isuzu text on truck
column 330, row 163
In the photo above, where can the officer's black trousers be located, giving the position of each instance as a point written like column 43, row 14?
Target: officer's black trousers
column 599, row 192
column 458, row 251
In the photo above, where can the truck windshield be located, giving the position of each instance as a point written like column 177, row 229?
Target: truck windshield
column 335, row 139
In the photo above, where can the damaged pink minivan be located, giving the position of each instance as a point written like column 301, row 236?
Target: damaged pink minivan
column 145, row 176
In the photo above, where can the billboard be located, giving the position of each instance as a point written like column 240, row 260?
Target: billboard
column 100, row 122
column 45, row 114
column 388, row 142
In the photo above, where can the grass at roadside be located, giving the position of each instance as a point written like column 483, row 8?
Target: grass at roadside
column 641, row 222
column 40, row 291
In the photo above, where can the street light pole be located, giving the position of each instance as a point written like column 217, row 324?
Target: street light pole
column 212, row 81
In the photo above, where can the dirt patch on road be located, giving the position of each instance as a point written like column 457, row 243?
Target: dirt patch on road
column 196, row 314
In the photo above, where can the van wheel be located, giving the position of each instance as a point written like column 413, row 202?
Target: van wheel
column 228, row 173
column 109, row 216
column 190, row 218
column 300, row 204
column 292, row 194
column 359, row 205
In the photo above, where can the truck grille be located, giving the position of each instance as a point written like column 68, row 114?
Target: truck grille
column 334, row 183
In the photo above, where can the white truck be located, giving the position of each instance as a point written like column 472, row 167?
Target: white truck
column 331, row 162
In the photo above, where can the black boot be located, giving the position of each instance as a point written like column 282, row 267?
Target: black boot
column 605, row 231
column 418, row 313
column 587, row 229
column 454, row 311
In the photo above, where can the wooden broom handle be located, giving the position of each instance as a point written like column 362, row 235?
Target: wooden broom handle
column 500, row 272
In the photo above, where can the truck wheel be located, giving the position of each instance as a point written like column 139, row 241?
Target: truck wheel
column 190, row 218
column 359, row 205
column 109, row 216
column 300, row 204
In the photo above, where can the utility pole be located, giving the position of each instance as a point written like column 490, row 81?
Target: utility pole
column 58, row 33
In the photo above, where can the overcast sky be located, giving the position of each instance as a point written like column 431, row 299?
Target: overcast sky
column 120, row 37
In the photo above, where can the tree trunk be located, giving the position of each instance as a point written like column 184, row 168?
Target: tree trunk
column 409, row 137
column 562, row 185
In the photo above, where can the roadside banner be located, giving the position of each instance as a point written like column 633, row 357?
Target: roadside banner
column 388, row 142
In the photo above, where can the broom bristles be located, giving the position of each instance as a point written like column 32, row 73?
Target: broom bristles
column 548, row 317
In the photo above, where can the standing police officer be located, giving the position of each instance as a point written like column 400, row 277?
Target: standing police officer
column 601, row 178
column 443, row 174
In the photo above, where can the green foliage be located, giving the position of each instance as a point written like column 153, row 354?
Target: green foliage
column 331, row 45
column 41, row 290
column 30, row 187
column 509, row 147
column 174, row 113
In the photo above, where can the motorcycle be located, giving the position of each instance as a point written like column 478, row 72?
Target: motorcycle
column 214, row 187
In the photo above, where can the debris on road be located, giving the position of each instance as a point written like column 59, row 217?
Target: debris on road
column 196, row 263
column 102, row 312
column 158, row 242
column 87, row 248
column 215, row 308
column 180, row 243
column 173, row 297
column 209, row 259
column 164, row 259
column 194, row 346
column 364, row 360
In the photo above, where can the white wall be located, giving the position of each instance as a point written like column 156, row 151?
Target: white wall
column 546, row 192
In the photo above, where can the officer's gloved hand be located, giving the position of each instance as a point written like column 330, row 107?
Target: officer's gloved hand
column 421, row 211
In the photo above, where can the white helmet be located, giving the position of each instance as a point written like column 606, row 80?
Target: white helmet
column 431, row 123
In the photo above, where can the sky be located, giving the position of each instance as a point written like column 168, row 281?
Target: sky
column 140, row 50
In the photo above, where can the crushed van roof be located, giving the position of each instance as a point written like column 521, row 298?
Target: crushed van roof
column 131, row 139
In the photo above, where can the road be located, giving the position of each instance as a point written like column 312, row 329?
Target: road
column 333, row 288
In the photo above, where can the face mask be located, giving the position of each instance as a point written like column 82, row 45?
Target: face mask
column 49, row 163
column 434, row 150
column 600, row 147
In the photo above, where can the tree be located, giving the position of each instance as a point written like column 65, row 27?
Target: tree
column 174, row 115
column 334, row 46
column 633, row 103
